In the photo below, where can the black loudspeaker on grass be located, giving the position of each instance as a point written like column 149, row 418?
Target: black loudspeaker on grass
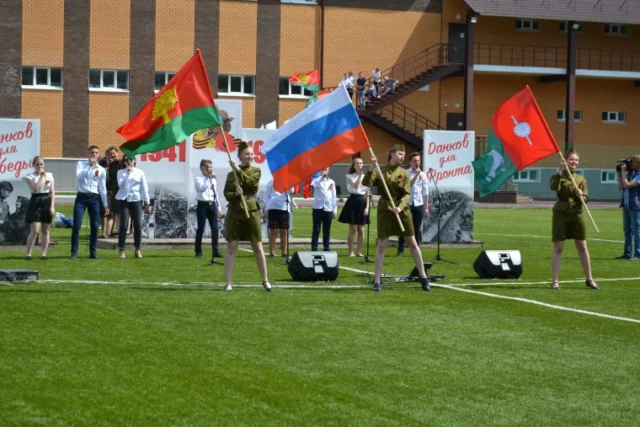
column 498, row 264
column 314, row 266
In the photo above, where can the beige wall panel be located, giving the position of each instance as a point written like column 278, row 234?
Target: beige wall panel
column 289, row 108
column 109, row 37
column 107, row 112
column 238, row 37
column 45, row 105
column 300, row 39
column 43, row 32
column 360, row 39
column 455, row 12
column 174, row 33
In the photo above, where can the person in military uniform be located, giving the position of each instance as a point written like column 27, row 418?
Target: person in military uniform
column 238, row 226
column 399, row 184
column 568, row 219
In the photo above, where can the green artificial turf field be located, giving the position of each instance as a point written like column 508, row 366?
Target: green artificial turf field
column 470, row 352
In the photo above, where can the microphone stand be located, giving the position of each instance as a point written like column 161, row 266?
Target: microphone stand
column 217, row 208
column 366, row 259
column 438, row 258
column 290, row 213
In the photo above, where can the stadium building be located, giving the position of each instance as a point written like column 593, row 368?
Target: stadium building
column 85, row 67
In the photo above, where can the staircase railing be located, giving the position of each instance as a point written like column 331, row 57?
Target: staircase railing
column 406, row 118
column 407, row 69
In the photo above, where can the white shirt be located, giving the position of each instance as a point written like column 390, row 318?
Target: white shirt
column 206, row 189
column 35, row 178
column 132, row 186
column 324, row 194
column 92, row 179
column 347, row 82
column 362, row 190
column 420, row 188
column 376, row 75
column 274, row 200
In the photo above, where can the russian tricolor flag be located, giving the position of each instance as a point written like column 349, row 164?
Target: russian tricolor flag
column 320, row 135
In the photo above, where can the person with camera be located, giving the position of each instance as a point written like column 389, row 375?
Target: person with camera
column 629, row 183
column 132, row 192
column 208, row 208
column 41, row 209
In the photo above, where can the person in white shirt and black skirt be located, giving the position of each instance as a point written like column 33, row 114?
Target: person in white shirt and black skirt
column 92, row 189
column 356, row 210
column 419, row 201
column 132, row 192
column 208, row 209
column 325, row 208
column 40, row 210
column 278, row 210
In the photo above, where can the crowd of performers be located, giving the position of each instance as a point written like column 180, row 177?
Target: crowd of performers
column 400, row 215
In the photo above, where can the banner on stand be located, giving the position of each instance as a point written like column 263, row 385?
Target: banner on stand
column 19, row 144
column 447, row 163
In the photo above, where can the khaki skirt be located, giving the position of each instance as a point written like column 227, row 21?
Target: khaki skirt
column 388, row 224
column 240, row 228
column 568, row 226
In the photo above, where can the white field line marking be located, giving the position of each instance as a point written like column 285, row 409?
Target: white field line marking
column 548, row 237
column 285, row 285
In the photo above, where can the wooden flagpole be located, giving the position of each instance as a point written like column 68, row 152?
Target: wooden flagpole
column 566, row 167
column 386, row 189
column 235, row 173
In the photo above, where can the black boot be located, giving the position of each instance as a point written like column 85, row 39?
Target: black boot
column 425, row 284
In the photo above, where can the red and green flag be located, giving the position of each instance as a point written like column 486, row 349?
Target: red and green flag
column 309, row 81
column 519, row 136
column 183, row 106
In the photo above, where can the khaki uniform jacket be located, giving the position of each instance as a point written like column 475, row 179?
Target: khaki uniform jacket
column 399, row 184
column 237, row 225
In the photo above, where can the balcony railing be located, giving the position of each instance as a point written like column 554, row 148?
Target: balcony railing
column 555, row 57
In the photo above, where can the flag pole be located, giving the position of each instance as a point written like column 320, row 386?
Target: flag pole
column 562, row 157
column 584, row 204
column 386, row 189
column 235, row 173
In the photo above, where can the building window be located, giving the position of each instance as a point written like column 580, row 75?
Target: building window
column 528, row 175
column 236, row 84
column 615, row 29
column 608, row 177
column 564, row 27
column 162, row 78
column 109, row 80
column 42, row 77
column 527, row 24
column 287, row 89
column 561, row 115
column 614, row 117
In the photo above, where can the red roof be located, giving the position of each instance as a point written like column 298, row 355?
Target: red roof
column 607, row 11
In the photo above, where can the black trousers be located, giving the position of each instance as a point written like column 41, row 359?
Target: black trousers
column 206, row 211
column 417, row 215
column 133, row 209
column 323, row 219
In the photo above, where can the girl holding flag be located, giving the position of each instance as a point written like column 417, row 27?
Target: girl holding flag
column 238, row 226
column 398, row 182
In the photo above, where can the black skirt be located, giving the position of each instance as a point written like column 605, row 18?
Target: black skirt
column 38, row 209
column 278, row 219
column 353, row 211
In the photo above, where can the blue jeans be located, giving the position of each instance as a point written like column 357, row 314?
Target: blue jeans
column 83, row 202
column 206, row 212
column 417, row 215
column 323, row 219
column 631, row 227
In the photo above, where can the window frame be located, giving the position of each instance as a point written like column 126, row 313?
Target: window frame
column 291, row 95
column 609, row 172
column 242, row 78
column 166, row 79
column 518, row 179
column 564, row 116
column 533, row 23
column 623, row 29
column 104, row 88
column 617, row 120
column 34, row 84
